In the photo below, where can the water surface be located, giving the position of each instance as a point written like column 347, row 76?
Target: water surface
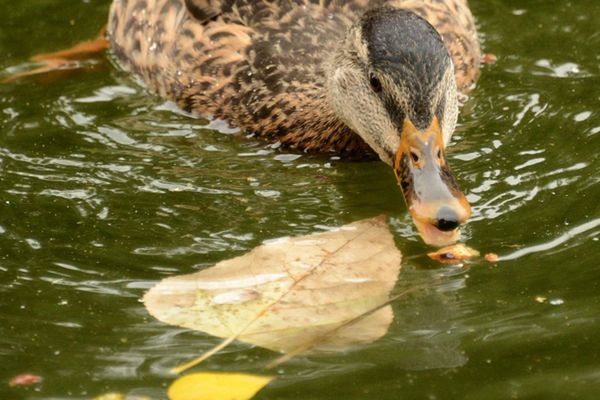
column 105, row 189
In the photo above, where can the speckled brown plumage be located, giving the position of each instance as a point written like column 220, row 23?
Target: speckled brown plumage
column 260, row 64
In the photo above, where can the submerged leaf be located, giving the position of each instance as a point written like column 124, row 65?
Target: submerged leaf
column 217, row 386
column 291, row 292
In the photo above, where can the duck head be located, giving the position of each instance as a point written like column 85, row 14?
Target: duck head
column 392, row 82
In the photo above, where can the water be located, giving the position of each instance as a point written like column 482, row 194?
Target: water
column 106, row 189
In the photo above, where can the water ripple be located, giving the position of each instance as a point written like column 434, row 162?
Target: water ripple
column 551, row 246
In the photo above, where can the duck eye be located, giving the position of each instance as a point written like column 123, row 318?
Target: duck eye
column 414, row 156
column 375, row 83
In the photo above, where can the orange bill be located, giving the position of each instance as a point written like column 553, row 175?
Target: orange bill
column 435, row 202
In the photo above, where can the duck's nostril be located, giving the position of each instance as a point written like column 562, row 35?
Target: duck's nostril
column 447, row 220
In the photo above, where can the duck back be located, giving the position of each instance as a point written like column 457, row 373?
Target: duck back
column 260, row 64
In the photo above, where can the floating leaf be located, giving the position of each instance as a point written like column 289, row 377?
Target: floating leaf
column 492, row 257
column 489, row 58
column 217, row 386
column 24, row 380
column 110, row 396
column 453, row 254
column 64, row 60
column 119, row 396
column 292, row 292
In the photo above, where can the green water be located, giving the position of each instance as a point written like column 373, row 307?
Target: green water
column 106, row 189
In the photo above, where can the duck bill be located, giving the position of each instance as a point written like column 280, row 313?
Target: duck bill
column 436, row 203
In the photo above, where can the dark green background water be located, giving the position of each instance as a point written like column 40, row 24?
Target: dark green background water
column 106, row 189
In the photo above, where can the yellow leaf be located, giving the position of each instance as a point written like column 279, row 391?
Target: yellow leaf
column 110, row 396
column 217, row 386
column 119, row 396
column 291, row 293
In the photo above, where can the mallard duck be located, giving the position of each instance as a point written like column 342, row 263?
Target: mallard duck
column 357, row 77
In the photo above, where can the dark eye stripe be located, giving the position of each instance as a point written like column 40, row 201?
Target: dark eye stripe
column 394, row 110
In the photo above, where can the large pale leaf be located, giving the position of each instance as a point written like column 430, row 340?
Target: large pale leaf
column 291, row 293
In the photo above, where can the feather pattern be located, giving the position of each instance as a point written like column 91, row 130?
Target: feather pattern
column 260, row 64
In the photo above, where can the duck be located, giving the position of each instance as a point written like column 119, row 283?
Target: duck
column 358, row 78
column 365, row 79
